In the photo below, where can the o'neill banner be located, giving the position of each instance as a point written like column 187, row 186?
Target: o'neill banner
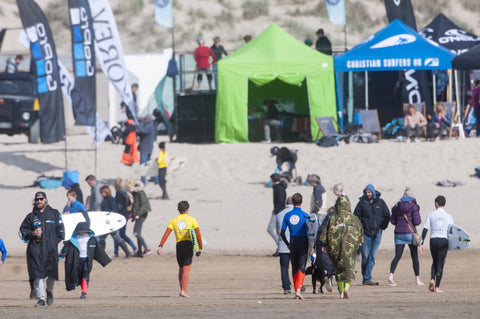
column 401, row 10
column 83, row 60
column 110, row 52
column 45, row 67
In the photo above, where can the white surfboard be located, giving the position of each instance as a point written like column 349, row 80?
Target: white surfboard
column 312, row 227
column 149, row 168
column 101, row 223
column 177, row 164
column 457, row 238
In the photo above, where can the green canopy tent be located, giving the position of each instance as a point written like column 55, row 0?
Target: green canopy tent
column 271, row 66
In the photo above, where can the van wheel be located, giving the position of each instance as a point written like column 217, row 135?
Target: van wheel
column 34, row 132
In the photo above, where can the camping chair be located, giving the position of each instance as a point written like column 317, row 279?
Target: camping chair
column 450, row 110
column 327, row 127
column 370, row 122
column 420, row 108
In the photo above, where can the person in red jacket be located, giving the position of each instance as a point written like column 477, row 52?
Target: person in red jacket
column 202, row 57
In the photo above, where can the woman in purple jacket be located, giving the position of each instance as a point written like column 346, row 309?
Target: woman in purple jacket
column 405, row 216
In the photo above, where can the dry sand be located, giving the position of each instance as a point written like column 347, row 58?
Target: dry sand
column 224, row 184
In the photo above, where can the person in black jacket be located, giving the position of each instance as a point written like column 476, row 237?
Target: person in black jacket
column 279, row 200
column 375, row 216
column 79, row 252
column 43, row 230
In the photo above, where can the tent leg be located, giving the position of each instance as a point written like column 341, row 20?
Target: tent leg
column 434, row 79
column 366, row 90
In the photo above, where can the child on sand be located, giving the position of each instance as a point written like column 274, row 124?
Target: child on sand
column 79, row 252
column 181, row 225
column 3, row 250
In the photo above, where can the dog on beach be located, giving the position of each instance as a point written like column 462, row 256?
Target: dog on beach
column 318, row 274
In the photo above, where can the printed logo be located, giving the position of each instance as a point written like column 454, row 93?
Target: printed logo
column 432, row 62
column 182, row 225
column 399, row 39
column 82, row 42
column 42, row 55
column 294, row 219
column 439, row 223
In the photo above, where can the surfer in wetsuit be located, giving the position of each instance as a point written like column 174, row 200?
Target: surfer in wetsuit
column 181, row 225
column 437, row 221
column 295, row 221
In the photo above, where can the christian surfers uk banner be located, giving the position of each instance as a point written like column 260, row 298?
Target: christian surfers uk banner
column 110, row 52
column 45, row 68
column 83, row 60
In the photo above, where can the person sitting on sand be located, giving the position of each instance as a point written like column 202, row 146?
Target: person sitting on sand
column 437, row 221
column 181, row 225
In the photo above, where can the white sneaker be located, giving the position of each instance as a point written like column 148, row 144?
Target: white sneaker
column 329, row 284
column 417, row 140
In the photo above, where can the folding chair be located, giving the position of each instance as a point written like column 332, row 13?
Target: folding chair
column 450, row 110
column 370, row 122
column 327, row 126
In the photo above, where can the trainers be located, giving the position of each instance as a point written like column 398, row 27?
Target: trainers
column 138, row 254
column 287, row 291
column 40, row 303
column 370, row 283
column 329, row 284
column 302, row 289
column 113, row 255
column 49, row 298
column 83, row 295
column 147, row 252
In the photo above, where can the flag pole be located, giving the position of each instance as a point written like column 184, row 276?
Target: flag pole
column 345, row 32
column 175, row 102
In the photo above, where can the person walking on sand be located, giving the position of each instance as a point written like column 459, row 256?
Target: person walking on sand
column 375, row 216
column 342, row 236
column 181, row 226
column 140, row 209
column 96, row 198
column 405, row 217
column 283, row 250
column 437, row 221
column 295, row 221
column 279, row 198
column 163, row 160
column 43, row 230
column 3, row 250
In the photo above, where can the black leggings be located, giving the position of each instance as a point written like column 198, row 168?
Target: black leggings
column 298, row 253
column 438, row 249
column 398, row 255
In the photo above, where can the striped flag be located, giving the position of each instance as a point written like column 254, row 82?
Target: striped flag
column 163, row 13
column 336, row 11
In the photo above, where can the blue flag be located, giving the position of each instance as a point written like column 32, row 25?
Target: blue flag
column 336, row 11
column 163, row 13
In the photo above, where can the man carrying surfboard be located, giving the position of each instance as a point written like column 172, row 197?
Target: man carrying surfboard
column 438, row 222
column 296, row 220
column 181, row 225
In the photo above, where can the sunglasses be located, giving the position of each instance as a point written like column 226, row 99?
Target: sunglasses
column 39, row 199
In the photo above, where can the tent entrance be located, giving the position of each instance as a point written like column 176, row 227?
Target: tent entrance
column 292, row 101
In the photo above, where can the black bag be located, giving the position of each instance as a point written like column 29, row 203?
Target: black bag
column 327, row 141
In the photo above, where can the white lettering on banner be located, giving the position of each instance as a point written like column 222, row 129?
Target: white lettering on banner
column 41, row 36
column 87, row 41
column 414, row 95
column 458, row 35
column 354, row 64
column 109, row 50
column 397, row 2
column 397, row 62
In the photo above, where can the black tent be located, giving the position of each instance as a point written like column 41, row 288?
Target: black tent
column 446, row 33
column 469, row 60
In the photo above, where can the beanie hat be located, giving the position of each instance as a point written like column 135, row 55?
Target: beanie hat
column 408, row 192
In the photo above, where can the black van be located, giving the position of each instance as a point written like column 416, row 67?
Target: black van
column 19, row 105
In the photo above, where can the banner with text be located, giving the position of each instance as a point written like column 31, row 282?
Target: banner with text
column 45, row 68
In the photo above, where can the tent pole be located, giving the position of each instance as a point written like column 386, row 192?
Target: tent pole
column 366, row 90
column 458, row 122
column 450, row 83
column 434, row 79
column 350, row 97
column 345, row 32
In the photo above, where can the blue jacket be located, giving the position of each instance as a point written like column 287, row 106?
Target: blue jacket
column 147, row 135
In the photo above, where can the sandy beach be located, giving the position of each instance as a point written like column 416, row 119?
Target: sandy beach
column 225, row 185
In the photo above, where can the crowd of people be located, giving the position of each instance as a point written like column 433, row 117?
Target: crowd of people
column 343, row 234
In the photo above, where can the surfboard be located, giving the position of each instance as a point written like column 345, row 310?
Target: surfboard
column 101, row 223
column 312, row 227
column 177, row 164
column 457, row 238
column 196, row 247
column 149, row 168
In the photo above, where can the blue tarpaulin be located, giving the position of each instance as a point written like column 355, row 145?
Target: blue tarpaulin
column 395, row 47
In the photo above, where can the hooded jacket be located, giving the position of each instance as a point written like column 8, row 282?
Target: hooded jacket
column 374, row 214
column 141, row 204
column 71, row 252
column 42, row 255
column 279, row 197
column 409, row 207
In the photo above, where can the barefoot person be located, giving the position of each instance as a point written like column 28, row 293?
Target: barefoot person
column 342, row 236
column 298, row 245
column 437, row 221
column 181, row 225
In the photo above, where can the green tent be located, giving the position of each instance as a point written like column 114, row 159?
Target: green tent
column 273, row 65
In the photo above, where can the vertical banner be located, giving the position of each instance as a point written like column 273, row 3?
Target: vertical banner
column 416, row 81
column 45, row 68
column 336, row 11
column 108, row 48
column 83, row 60
column 163, row 13
column 401, row 10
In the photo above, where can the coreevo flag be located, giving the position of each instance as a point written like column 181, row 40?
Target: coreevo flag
column 336, row 11
column 163, row 13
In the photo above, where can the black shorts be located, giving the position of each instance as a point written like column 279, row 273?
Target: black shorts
column 184, row 253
